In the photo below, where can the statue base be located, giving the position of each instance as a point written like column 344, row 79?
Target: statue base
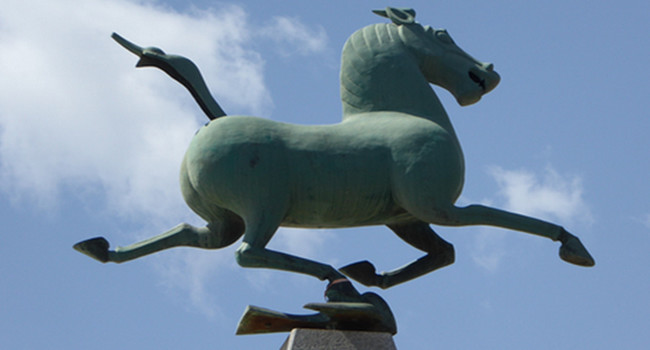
column 331, row 315
column 323, row 339
column 366, row 312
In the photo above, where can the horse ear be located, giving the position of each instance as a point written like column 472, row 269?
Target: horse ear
column 398, row 16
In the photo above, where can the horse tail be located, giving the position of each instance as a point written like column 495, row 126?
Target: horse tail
column 180, row 69
column 187, row 73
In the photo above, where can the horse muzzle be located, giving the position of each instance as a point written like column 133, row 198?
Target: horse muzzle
column 485, row 77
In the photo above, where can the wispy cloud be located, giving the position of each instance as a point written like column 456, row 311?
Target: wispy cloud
column 190, row 272
column 489, row 248
column 292, row 36
column 646, row 220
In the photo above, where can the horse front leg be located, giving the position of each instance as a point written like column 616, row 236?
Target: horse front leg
column 212, row 236
column 571, row 251
column 253, row 253
column 249, row 254
column 440, row 253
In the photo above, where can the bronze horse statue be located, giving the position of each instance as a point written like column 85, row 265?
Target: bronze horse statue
column 394, row 160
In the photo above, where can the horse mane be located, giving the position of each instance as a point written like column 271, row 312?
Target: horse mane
column 367, row 41
column 379, row 73
column 361, row 48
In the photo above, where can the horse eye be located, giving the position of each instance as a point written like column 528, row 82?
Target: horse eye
column 444, row 37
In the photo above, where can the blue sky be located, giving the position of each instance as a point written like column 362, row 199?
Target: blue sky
column 91, row 146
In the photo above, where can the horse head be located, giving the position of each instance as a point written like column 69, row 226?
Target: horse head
column 441, row 61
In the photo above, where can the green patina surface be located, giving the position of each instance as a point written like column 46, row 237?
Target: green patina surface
column 394, row 160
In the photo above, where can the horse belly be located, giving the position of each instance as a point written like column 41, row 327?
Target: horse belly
column 339, row 189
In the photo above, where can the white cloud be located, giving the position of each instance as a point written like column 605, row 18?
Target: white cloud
column 549, row 196
column 300, row 242
column 75, row 112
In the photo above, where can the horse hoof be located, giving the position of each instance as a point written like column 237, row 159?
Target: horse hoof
column 574, row 252
column 96, row 248
column 363, row 272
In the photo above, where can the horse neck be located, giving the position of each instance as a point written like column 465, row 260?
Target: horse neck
column 378, row 73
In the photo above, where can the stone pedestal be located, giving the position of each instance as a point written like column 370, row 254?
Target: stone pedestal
column 321, row 339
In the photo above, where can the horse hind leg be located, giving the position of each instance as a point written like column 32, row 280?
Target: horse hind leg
column 440, row 253
column 213, row 236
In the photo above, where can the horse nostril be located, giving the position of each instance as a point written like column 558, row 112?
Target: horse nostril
column 475, row 78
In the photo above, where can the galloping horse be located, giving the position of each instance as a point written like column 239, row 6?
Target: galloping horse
column 394, row 160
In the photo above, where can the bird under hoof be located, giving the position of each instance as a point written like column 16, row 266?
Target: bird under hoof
column 363, row 272
column 96, row 248
column 343, row 298
column 574, row 252
column 342, row 290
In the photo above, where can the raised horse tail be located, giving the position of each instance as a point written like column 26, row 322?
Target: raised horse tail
column 180, row 69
